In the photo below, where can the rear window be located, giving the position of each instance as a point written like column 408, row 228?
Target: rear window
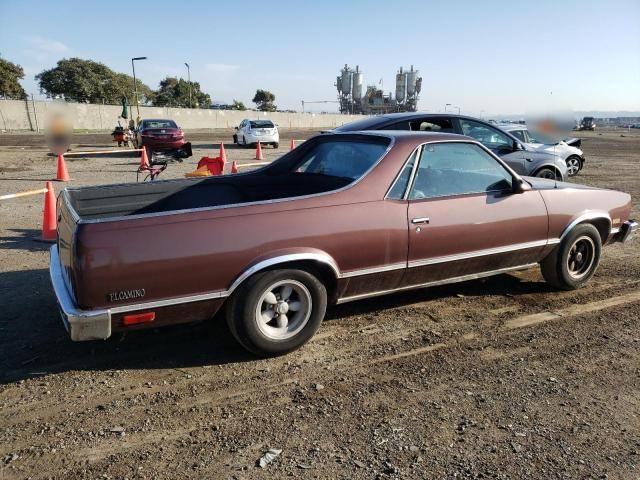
column 158, row 124
column 261, row 124
column 344, row 159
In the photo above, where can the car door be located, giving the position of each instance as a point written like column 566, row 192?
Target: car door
column 464, row 217
column 241, row 136
column 499, row 142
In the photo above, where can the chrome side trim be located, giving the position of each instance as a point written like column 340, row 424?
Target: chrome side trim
column 477, row 253
column 369, row 271
column 586, row 217
column 392, row 142
column 169, row 302
column 462, row 278
column 295, row 257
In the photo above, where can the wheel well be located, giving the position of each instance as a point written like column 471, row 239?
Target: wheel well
column 603, row 227
column 321, row 271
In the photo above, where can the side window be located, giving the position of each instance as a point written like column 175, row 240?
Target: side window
column 402, row 182
column 455, row 169
column 490, row 137
column 432, row 124
column 397, row 126
column 519, row 134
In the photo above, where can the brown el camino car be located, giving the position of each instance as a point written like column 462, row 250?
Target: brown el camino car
column 342, row 217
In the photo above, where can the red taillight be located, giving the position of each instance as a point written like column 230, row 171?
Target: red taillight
column 138, row 318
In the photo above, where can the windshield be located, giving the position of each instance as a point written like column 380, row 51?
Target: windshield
column 261, row 124
column 158, row 124
column 339, row 158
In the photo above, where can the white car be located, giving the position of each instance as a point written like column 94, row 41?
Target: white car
column 250, row 132
column 573, row 156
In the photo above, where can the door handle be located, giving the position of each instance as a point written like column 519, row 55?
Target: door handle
column 420, row 220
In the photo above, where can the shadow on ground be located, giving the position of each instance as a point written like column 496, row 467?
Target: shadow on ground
column 34, row 342
column 24, row 239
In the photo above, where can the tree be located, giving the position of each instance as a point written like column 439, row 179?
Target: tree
column 238, row 105
column 175, row 92
column 264, row 101
column 87, row 81
column 10, row 76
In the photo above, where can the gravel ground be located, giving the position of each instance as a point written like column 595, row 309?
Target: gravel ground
column 501, row 378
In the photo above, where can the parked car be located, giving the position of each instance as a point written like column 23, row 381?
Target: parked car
column 250, row 132
column 525, row 161
column 572, row 156
column 340, row 218
column 160, row 134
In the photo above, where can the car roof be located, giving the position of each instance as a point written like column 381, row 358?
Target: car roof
column 418, row 137
column 158, row 120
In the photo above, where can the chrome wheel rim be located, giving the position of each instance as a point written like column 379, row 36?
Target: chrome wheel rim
column 573, row 166
column 581, row 257
column 283, row 309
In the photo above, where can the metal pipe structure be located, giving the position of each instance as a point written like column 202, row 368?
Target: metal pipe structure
column 23, row 194
column 189, row 80
column 135, row 87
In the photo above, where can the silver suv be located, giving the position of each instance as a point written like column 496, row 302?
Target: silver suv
column 524, row 159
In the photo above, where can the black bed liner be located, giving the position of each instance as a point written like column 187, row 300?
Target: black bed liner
column 113, row 201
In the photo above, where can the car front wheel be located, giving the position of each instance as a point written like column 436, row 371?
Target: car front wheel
column 546, row 172
column 275, row 312
column 574, row 165
column 574, row 261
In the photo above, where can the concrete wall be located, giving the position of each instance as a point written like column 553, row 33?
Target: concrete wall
column 27, row 115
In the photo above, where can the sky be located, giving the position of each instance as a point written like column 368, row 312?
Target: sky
column 486, row 57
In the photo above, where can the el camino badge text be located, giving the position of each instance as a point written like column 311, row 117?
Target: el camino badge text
column 126, row 295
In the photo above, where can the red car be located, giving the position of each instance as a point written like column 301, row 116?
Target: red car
column 159, row 134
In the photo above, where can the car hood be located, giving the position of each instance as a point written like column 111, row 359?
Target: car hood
column 547, row 184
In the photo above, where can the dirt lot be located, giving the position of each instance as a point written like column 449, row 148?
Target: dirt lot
column 502, row 378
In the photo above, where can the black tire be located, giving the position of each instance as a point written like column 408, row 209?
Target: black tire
column 557, row 268
column 571, row 162
column 235, row 139
column 276, row 145
column 242, row 312
column 547, row 172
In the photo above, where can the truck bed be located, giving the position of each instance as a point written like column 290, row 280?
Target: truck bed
column 112, row 201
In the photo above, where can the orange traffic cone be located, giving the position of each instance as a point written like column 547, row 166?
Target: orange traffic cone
column 292, row 145
column 49, row 216
column 234, row 167
column 62, row 174
column 259, row 152
column 223, row 154
column 144, row 160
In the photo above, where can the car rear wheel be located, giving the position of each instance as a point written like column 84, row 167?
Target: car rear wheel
column 276, row 145
column 574, row 261
column 546, row 172
column 275, row 312
column 574, row 165
column 235, row 139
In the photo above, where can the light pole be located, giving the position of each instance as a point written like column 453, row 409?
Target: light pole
column 189, row 80
column 135, row 87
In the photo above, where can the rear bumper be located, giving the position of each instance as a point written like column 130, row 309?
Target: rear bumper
column 163, row 144
column 81, row 324
column 626, row 231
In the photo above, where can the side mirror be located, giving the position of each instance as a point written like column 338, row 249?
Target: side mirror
column 517, row 146
column 517, row 185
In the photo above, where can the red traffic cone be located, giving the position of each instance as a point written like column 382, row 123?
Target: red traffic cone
column 234, row 167
column 49, row 233
column 223, row 154
column 62, row 174
column 258, row 152
column 292, row 145
column 144, row 160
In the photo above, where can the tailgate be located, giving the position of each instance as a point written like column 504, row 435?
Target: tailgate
column 67, row 225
